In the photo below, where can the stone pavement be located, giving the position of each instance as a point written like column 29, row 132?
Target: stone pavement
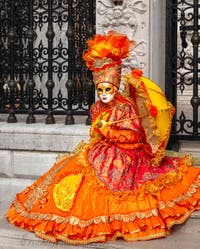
column 185, row 236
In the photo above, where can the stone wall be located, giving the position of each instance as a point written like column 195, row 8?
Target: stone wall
column 144, row 22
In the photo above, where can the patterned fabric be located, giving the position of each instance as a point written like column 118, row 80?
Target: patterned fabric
column 108, row 188
column 119, row 159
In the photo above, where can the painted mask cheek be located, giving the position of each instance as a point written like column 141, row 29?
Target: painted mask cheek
column 107, row 97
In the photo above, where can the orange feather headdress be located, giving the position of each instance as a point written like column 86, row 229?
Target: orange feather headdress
column 105, row 53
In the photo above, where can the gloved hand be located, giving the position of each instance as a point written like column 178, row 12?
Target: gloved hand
column 103, row 126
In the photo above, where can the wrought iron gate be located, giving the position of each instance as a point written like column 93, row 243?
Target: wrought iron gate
column 182, row 67
column 41, row 66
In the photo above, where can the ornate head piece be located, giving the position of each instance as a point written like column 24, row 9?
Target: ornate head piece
column 104, row 56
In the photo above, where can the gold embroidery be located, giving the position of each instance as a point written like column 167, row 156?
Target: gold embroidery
column 148, row 237
column 114, row 237
column 45, row 236
column 65, row 191
column 105, row 219
column 40, row 191
column 101, row 237
column 79, row 148
column 85, row 223
column 180, row 220
column 152, row 187
column 83, row 241
column 191, row 190
column 131, row 236
column 157, row 134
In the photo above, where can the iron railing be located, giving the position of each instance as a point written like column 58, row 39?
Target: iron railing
column 182, row 67
column 41, row 65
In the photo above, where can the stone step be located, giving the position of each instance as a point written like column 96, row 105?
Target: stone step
column 41, row 137
column 29, row 150
column 11, row 237
column 40, row 118
column 190, row 147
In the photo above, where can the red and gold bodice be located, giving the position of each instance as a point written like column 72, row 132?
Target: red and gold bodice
column 118, row 154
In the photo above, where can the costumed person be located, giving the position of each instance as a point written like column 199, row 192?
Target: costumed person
column 120, row 184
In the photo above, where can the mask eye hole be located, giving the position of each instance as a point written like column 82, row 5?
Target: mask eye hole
column 100, row 90
column 108, row 89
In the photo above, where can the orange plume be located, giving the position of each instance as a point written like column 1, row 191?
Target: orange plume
column 107, row 50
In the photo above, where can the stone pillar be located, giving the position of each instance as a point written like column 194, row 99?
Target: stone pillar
column 157, row 31
column 142, row 21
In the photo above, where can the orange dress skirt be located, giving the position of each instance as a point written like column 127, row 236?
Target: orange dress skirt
column 71, row 204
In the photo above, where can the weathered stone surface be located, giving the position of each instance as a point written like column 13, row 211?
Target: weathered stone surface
column 6, row 166
column 30, row 150
column 41, row 137
column 26, row 164
column 32, row 164
column 190, row 147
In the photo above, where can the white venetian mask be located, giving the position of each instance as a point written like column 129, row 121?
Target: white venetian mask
column 106, row 92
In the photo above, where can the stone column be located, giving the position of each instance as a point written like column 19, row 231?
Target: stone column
column 157, row 10
column 142, row 21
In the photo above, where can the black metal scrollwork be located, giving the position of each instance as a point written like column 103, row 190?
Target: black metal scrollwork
column 41, row 67
column 182, row 64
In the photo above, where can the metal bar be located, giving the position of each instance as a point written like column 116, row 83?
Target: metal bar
column 195, row 101
column 11, row 83
column 70, row 82
column 89, row 74
column 23, row 62
column 189, row 27
column 50, row 83
column 58, row 112
column 170, row 73
column 187, row 137
column 1, row 75
column 30, row 84
column 3, row 50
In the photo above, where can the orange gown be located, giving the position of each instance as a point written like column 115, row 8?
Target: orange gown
column 109, row 188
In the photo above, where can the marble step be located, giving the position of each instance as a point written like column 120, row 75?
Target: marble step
column 41, row 137
column 186, row 235
column 32, row 164
column 190, row 147
column 27, row 151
